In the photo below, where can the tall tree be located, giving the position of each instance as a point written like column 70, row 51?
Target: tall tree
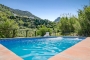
column 84, row 19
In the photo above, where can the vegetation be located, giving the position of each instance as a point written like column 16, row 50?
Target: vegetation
column 79, row 26
column 69, row 25
column 11, row 19
column 19, row 23
column 84, row 19
column 6, row 25
column 24, row 18
column 42, row 31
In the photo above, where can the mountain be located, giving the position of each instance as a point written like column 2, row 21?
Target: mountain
column 57, row 19
column 24, row 19
column 24, row 13
column 17, row 12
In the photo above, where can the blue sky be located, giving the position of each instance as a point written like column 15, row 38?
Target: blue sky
column 47, row 9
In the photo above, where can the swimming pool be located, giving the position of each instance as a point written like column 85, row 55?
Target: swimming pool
column 39, row 48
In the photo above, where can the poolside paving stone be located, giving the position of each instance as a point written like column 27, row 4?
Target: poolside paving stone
column 80, row 51
column 6, row 54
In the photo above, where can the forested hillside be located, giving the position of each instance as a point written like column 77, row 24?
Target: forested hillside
column 17, row 12
column 24, row 19
column 12, row 20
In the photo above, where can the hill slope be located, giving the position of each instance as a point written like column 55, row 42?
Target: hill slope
column 24, row 19
column 57, row 20
column 17, row 12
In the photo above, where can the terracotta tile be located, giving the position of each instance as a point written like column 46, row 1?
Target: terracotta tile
column 77, row 54
column 80, row 51
column 59, row 57
column 6, row 54
column 82, row 48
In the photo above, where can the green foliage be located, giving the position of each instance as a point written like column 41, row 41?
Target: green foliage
column 69, row 25
column 84, row 19
column 6, row 26
column 24, row 18
column 11, row 19
column 79, row 25
column 5, row 9
column 42, row 31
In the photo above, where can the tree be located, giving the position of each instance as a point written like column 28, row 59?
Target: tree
column 84, row 19
column 69, row 25
column 42, row 31
column 6, row 27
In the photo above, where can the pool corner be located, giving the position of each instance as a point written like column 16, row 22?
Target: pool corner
column 6, row 54
column 80, row 51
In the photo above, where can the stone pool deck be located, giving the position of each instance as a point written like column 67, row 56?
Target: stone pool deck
column 6, row 54
column 80, row 51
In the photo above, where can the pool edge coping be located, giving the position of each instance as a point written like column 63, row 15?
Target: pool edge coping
column 58, row 56
column 6, row 54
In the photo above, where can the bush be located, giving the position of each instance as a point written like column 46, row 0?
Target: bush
column 42, row 31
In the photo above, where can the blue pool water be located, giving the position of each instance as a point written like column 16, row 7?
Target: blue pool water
column 39, row 48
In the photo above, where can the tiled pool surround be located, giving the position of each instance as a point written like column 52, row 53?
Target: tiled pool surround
column 80, row 51
column 6, row 54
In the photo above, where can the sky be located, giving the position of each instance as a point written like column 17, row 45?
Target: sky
column 47, row 9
